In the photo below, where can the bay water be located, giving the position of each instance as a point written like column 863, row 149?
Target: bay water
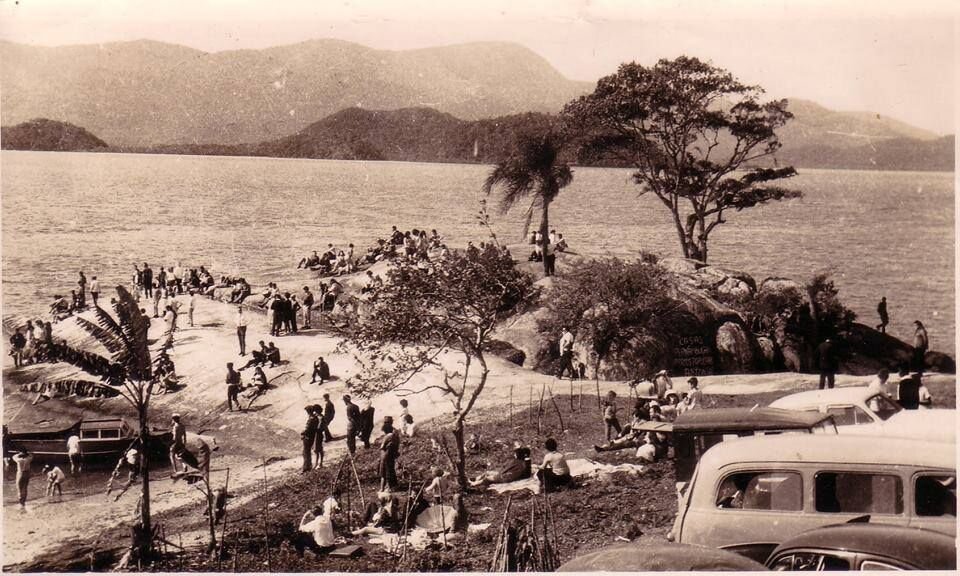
column 878, row 233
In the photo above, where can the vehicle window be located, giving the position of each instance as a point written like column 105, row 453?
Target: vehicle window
column 848, row 415
column 936, row 495
column 88, row 434
column 809, row 562
column 761, row 491
column 859, row 493
column 875, row 565
column 109, row 433
column 883, row 407
column 825, row 427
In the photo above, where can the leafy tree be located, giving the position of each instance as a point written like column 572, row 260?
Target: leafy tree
column 829, row 314
column 426, row 310
column 533, row 170
column 695, row 135
column 614, row 306
column 126, row 371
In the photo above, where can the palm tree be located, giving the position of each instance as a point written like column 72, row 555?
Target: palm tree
column 126, row 371
column 532, row 170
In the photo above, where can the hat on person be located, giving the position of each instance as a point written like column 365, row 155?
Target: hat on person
column 517, row 445
column 388, row 419
column 654, row 403
column 175, row 416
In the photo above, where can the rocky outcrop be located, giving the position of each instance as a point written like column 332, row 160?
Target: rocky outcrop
column 735, row 349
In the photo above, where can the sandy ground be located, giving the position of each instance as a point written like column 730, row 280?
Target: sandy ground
column 270, row 430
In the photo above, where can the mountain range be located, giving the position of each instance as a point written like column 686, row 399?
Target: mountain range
column 335, row 99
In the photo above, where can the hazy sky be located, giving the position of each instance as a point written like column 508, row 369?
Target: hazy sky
column 894, row 58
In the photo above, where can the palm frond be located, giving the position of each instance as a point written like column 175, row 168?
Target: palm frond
column 108, row 338
column 136, row 361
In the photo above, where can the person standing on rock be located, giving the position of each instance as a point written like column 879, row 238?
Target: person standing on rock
column 827, row 363
column 389, row 450
column 242, row 331
column 354, row 424
column 884, row 317
column 233, row 387
column 921, row 342
column 329, row 410
column 82, row 290
column 95, row 290
column 318, row 439
column 17, row 343
column 307, row 300
column 366, row 423
column 147, row 279
column 566, row 354
column 179, row 443
column 309, row 436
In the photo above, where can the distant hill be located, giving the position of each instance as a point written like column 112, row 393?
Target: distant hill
column 147, row 93
column 44, row 134
column 425, row 135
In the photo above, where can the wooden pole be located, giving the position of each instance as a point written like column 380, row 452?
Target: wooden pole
column 266, row 530
column 557, row 408
column 223, row 531
column 543, row 389
column 571, row 395
column 580, row 399
column 363, row 504
column 511, row 408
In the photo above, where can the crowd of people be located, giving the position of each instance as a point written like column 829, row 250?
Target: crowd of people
column 547, row 252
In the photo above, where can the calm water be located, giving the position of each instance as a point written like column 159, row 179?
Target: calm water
column 880, row 233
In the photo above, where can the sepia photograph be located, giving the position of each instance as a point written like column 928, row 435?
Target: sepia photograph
column 505, row 286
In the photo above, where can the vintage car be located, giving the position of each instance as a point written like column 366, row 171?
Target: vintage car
column 751, row 495
column 100, row 440
column 861, row 410
column 695, row 431
column 865, row 546
column 660, row 557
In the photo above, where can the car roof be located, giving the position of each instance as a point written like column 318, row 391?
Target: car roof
column 925, row 549
column 721, row 419
column 846, row 395
column 659, row 557
column 832, row 448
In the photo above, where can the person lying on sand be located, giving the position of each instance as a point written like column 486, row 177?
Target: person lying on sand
column 519, row 468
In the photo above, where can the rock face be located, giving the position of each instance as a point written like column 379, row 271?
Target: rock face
column 735, row 350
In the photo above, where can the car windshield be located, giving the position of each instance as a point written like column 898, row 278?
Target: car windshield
column 883, row 407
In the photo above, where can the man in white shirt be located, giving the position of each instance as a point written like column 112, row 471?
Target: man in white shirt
column 566, row 354
column 242, row 330
column 55, row 478
column 94, row 290
column 73, row 451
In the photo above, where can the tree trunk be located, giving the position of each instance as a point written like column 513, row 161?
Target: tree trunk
column 146, row 541
column 458, row 435
column 544, row 233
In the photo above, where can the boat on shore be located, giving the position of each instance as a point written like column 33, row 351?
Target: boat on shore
column 104, row 439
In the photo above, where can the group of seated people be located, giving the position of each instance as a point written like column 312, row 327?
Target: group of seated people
column 651, row 446
column 554, row 472
column 239, row 289
column 331, row 262
column 266, row 354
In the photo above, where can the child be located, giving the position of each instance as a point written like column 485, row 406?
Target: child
column 610, row 415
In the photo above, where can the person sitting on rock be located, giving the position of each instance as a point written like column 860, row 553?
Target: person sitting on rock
column 260, row 357
column 309, row 261
column 518, row 468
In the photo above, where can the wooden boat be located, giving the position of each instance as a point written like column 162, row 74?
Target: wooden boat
column 100, row 439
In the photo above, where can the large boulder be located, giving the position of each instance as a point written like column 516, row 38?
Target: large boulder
column 726, row 273
column 940, row 362
column 734, row 289
column 735, row 351
column 684, row 266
